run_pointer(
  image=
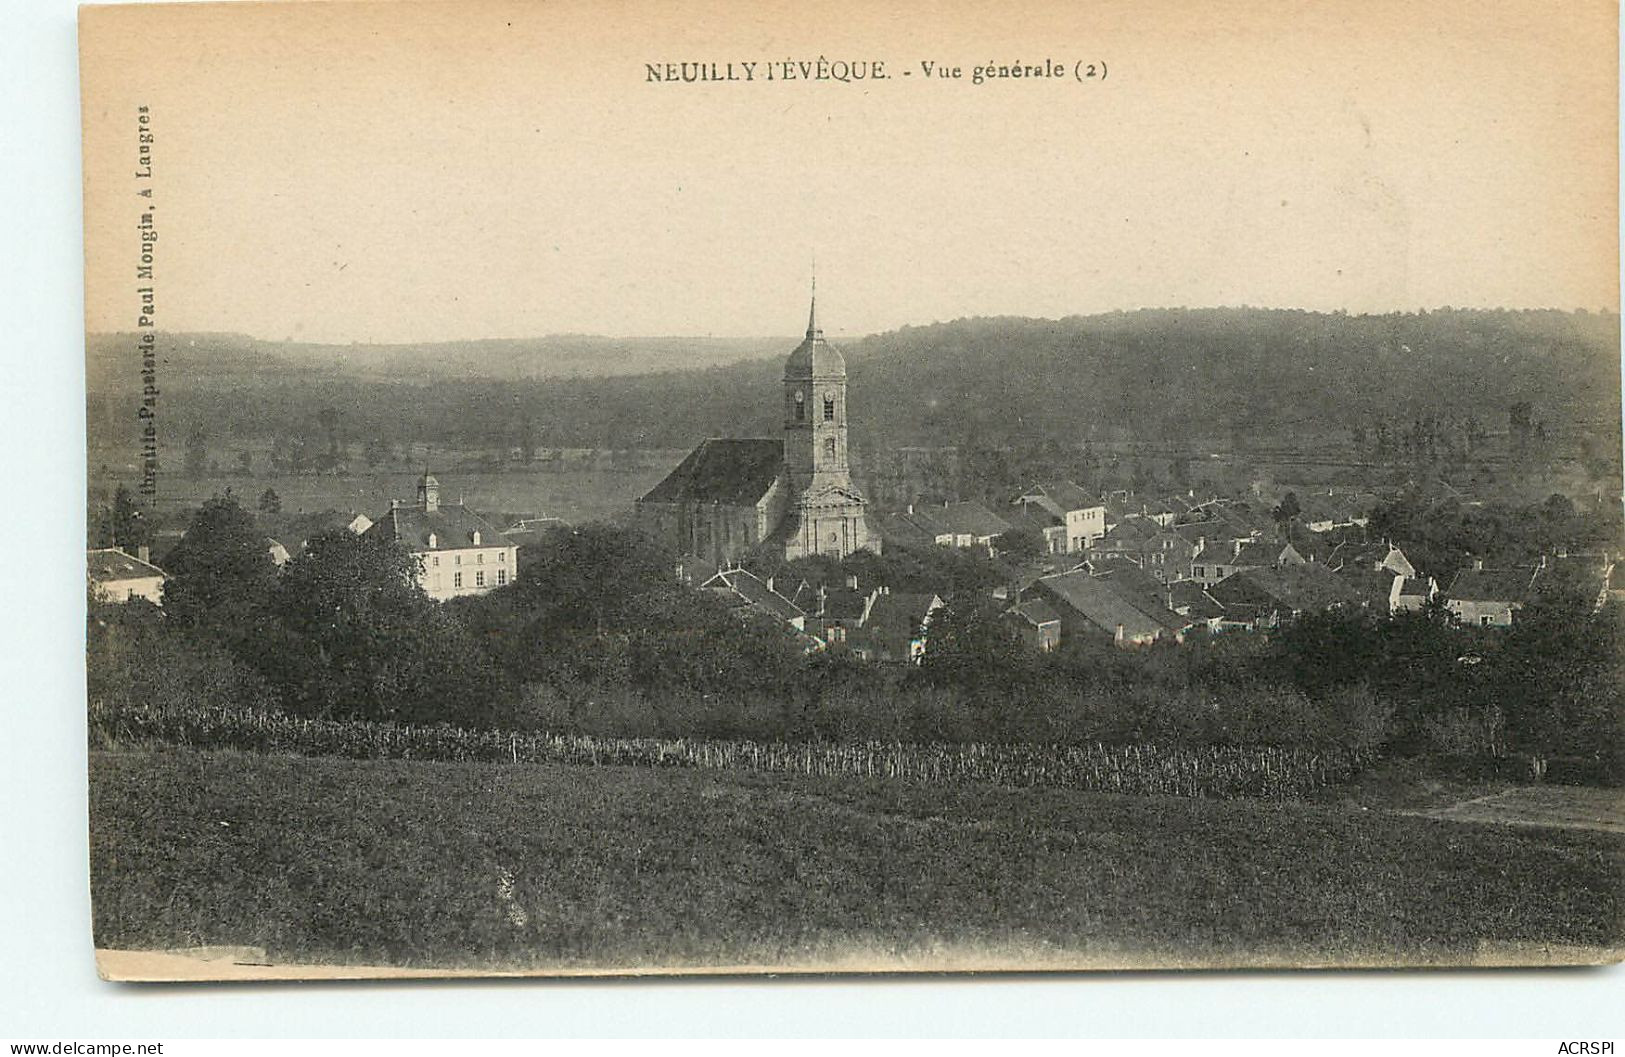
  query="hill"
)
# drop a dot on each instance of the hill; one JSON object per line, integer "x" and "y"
{"x": 1157, "y": 374}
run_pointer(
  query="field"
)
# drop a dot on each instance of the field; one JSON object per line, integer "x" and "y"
{"x": 580, "y": 492}
{"x": 417, "y": 864}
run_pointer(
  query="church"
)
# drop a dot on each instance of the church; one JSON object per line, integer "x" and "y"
{"x": 730, "y": 496}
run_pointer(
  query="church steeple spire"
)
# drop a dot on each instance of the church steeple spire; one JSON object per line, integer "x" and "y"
{"x": 813, "y": 330}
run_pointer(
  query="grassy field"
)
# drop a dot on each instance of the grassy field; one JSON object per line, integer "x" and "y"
{"x": 415, "y": 864}
{"x": 577, "y": 493}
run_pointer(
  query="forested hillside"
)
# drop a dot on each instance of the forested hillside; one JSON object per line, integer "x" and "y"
{"x": 1156, "y": 375}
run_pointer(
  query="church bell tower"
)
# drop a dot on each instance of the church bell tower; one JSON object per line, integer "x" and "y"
{"x": 827, "y": 509}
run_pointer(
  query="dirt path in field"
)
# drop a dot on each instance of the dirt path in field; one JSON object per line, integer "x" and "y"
{"x": 1562, "y": 807}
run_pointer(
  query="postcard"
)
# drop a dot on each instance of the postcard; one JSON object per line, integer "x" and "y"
{"x": 716, "y": 487}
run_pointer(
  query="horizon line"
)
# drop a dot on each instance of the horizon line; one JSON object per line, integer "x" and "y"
{"x": 859, "y": 336}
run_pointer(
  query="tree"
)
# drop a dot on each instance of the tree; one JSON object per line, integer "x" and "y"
{"x": 970, "y": 644}
{"x": 129, "y": 529}
{"x": 527, "y": 439}
{"x": 357, "y": 637}
{"x": 1287, "y": 509}
{"x": 197, "y": 453}
{"x": 1019, "y": 545}
{"x": 270, "y": 502}
{"x": 220, "y": 572}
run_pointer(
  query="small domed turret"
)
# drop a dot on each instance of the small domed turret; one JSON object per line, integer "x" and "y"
{"x": 815, "y": 357}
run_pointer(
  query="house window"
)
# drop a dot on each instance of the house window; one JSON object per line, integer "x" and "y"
{"x": 1200, "y": 571}
{"x": 479, "y": 578}
{"x": 502, "y": 556}
{"x": 457, "y": 560}
{"x": 436, "y": 559}
{"x": 801, "y": 406}
{"x": 829, "y": 447}
{"x": 502, "y": 577}
{"x": 479, "y": 559}
{"x": 1484, "y": 621}
{"x": 829, "y": 409}
{"x": 456, "y": 579}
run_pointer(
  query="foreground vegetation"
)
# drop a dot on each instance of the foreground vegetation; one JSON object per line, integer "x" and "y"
{"x": 1211, "y": 771}
{"x": 414, "y": 863}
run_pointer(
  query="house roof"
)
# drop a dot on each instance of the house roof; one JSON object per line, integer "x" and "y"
{"x": 1262, "y": 553}
{"x": 1415, "y": 588}
{"x": 452, "y": 524}
{"x": 1192, "y": 598}
{"x": 1580, "y": 575}
{"x": 1132, "y": 579}
{"x": 1066, "y": 495}
{"x": 1299, "y": 588}
{"x": 1033, "y": 518}
{"x": 958, "y": 519}
{"x": 1097, "y": 602}
{"x": 901, "y": 529}
{"x": 1242, "y": 518}
{"x": 755, "y": 591}
{"x": 1490, "y": 585}
{"x": 901, "y": 612}
{"x": 1375, "y": 585}
{"x": 723, "y": 470}
{"x": 843, "y": 603}
{"x": 110, "y": 563}
{"x": 1035, "y": 611}
{"x": 1133, "y": 529}
{"x": 1212, "y": 531}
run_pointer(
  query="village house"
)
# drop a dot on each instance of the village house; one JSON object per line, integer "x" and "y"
{"x": 1379, "y": 589}
{"x": 748, "y": 592}
{"x": 897, "y": 627}
{"x": 1088, "y": 605}
{"x": 1037, "y": 623}
{"x": 118, "y": 577}
{"x": 1415, "y": 593}
{"x": 965, "y": 524}
{"x": 1216, "y": 565}
{"x": 1582, "y": 577}
{"x": 1081, "y": 515}
{"x": 532, "y": 532}
{"x": 1268, "y": 596}
{"x": 1488, "y": 598}
{"x": 1123, "y": 541}
{"x": 458, "y": 552}
{"x": 1049, "y": 529}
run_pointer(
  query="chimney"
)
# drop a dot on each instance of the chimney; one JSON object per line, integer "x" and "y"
{"x": 144, "y": 553}
{"x": 911, "y": 508}
{"x": 770, "y": 583}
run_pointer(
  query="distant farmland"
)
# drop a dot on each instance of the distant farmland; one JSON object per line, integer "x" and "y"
{"x": 576, "y": 493}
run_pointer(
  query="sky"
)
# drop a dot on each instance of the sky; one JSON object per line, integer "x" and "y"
{"x": 407, "y": 172}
